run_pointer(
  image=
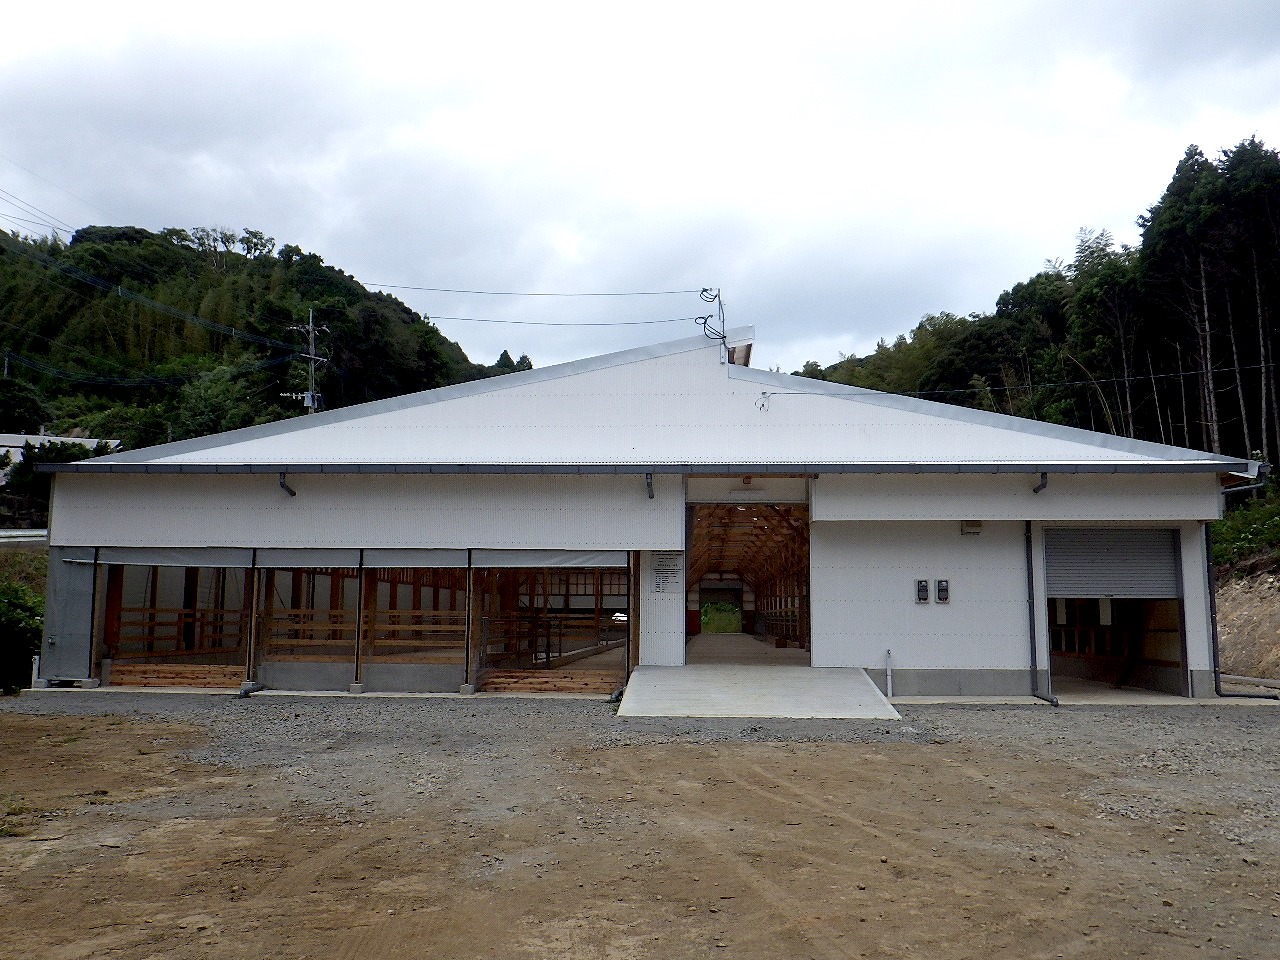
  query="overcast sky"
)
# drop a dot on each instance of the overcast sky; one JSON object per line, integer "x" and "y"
{"x": 837, "y": 170}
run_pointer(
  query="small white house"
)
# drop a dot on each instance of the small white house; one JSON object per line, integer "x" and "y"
{"x": 566, "y": 524}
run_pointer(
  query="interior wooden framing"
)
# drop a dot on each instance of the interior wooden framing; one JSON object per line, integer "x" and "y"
{"x": 208, "y": 622}
{"x": 1139, "y": 631}
{"x": 552, "y": 619}
{"x": 765, "y": 545}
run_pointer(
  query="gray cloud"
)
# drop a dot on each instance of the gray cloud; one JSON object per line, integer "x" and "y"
{"x": 839, "y": 177}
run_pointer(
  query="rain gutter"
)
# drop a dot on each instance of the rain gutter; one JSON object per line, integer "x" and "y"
{"x": 711, "y": 469}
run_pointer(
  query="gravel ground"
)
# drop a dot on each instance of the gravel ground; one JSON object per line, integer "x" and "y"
{"x": 218, "y": 827}
{"x": 354, "y": 753}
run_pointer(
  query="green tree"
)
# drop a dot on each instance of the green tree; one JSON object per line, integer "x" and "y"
{"x": 21, "y": 625}
{"x": 22, "y": 407}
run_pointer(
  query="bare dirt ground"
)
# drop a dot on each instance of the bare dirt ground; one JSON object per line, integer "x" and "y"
{"x": 145, "y": 825}
{"x": 1249, "y": 621}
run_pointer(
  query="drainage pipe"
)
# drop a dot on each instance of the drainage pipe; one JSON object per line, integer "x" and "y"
{"x": 1047, "y": 697}
{"x": 1212, "y": 580}
{"x": 888, "y": 674}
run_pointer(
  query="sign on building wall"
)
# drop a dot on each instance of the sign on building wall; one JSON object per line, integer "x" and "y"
{"x": 666, "y": 567}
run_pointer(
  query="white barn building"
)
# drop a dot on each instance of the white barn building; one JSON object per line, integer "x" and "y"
{"x": 562, "y": 526}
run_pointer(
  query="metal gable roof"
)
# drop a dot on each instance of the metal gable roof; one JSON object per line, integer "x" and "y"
{"x": 673, "y": 407}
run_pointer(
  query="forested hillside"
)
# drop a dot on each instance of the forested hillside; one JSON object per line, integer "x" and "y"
{"x": 145, "y": 337}
{"x": 1171, "y": 341}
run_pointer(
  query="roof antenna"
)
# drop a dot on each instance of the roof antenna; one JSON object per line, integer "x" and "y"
{"x": 713, "y": 325}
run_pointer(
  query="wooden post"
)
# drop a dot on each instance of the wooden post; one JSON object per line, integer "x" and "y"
{"x": 252, "y": 579}
{"x": 475, "y": 612}
{"x": 366, "y": 639}
{"x": 114, "y": 601}
{"x": 337, "y": 601}
{"x": 267, "y": 617}
{"x": 190, "y": 601}
{"x": 633, "y": 611}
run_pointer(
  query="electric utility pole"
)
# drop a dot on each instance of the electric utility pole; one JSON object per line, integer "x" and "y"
{"x": 311, "y": 400}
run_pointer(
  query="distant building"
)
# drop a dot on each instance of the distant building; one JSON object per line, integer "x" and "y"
{"x": 12, "y": 443}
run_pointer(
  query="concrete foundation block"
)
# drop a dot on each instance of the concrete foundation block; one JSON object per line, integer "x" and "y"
{"x": 356, "y": 688}
{"x": 467, "y": 689}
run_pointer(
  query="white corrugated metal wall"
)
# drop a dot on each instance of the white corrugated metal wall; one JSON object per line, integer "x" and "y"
{"x": 1084, "y": 496}
{"x": 863, "y": 583}
{"x": 568, "y": 512}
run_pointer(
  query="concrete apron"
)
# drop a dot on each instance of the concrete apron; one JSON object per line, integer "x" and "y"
{"x": 754, "y": 690}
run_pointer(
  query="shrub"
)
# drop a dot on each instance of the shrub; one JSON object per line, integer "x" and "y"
{"x": 1247, "y": 531}
{"x": 21, "y": 624}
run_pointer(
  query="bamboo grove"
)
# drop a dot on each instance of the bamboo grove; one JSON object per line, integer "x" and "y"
{"x": 144, "y": 337}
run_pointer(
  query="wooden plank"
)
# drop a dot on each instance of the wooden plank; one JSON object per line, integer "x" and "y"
{"x": 552, "y": 681}
{"x": 175, "y": 675}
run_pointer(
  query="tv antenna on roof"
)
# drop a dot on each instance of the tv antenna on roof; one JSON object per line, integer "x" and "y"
{"x": 713, "y": 325}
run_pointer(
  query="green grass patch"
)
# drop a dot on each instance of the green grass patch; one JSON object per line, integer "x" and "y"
{"x": 721, "y": 617}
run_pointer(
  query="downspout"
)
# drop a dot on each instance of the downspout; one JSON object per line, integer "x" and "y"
{"x": 357, "y": 684}
{"x": 249, "y": 685}
{"x": 1212, "y": 579}
{"x": 1031, "y": 623}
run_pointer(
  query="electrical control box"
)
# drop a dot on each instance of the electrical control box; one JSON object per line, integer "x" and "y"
{"x": 922, "y": 591}
{"x": 943, "y": 591}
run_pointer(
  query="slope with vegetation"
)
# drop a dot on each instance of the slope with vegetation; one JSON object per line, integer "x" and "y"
{"x": 1170, "y": 341}
{"x": 146, "y": 337}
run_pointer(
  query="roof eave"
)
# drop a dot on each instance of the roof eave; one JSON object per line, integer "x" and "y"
{"x": 1221, "y": 467}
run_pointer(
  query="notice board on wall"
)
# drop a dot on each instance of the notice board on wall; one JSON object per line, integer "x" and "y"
{"x": 665, "y": 566}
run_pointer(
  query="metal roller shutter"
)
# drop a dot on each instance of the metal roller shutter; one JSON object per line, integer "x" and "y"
{"x": 548, "y": 558}
{"x": 1141, "y": 564}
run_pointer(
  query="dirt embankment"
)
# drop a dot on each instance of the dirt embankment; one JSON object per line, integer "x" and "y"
{"x": 1249, "y": 623}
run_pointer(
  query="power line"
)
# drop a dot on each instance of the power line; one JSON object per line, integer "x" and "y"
{"x": 49, "y": 369}
{"x": 33, "y": 223}
{"x": 18, "y": 202}
{"x": 550, "y": 323}
{"x": 60, "y": 344}
{"x": 515, "y": 293}
{"x": 108, "y": 287}
{"x": 54, "y": 185}
{"x": 1084, "y": 383}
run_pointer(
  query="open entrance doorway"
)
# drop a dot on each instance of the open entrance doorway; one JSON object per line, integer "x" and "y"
{"x": 748, "y": 583}
{"x": 1115, "y": 609}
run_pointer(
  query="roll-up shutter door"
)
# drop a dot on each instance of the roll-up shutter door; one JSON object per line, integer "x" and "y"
{"x": 548, "y": 558}
{"x": 1140, "y": 564}
{"x": 177, "y": 556}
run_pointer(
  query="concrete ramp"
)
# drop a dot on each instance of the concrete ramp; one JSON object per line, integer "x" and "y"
{"x": 747, "y": 690}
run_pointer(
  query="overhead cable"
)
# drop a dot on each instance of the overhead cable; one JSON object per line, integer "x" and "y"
{"x": 17, "y": 201}
{"x": 516, "y": 293}
{"x": 49, "y": 369}
{"x": 553, "y": 323}
{"x": 127, "y": 294}
{"x": 54, "y": 185}
{"x": 1146, "y": 377}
